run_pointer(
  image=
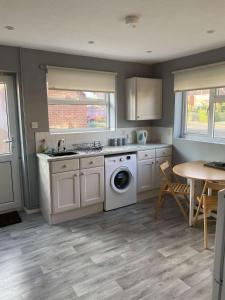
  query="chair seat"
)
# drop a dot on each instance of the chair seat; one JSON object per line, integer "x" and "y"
{"x": 177, "y": 188}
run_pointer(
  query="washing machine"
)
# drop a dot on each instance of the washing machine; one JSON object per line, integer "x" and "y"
{"x": 120, "y": 181}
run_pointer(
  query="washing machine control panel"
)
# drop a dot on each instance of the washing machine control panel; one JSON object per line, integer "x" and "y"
{"x": 125, "y": 158}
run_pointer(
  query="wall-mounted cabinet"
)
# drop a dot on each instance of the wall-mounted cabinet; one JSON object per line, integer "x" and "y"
{"x": 143, "y": 98}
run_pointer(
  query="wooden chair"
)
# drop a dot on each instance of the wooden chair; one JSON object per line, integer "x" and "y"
{"x": 207, "y": 203}
{"x": 175, "y": 189}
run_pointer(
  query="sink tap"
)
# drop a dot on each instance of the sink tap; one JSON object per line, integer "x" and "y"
{"x": 59, "y": 144}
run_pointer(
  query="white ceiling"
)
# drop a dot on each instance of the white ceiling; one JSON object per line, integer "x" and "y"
{"x": 170, "y": 28}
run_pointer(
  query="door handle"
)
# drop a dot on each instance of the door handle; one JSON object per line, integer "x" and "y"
{"x": 8, "y": 141}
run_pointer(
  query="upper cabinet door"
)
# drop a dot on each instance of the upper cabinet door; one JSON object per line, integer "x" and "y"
{"x": 144, "y": 98}
{"x": 65, "y": 191}
{"x": 92, "y": 186}
{"x": 149, "y": 99}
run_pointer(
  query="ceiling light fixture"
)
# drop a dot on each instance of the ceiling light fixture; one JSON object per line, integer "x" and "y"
{"x": 8, "y": 27}
{"x": 91, "y": 42}
{"x": 210, "y": 31}
{"x": 132, "y": 20}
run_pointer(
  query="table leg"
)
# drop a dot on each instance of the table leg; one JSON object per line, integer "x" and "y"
{"x": 191, "y": 201}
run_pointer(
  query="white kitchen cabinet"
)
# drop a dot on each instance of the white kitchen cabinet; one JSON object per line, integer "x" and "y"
{"x": 144, "y": 98}
{"x": 92, "y": 186}
{"x": 65, "y": 191}
{"x": 158, "y": 173}
{"x": 145, "y": 173}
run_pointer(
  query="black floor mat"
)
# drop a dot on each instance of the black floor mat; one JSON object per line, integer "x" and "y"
{"x": 9, "y": 218}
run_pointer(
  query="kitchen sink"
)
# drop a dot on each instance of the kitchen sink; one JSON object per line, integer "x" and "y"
{"x": 66, "y": 153}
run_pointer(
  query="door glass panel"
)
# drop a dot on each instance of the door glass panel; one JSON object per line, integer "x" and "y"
{"x": 121, "y": 180}
{"x": 4, "y": 128}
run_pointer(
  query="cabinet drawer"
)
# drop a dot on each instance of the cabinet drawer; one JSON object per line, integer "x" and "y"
{"x": 167, "y": 151}
{"x": 64, "y": 165}
{"x": 91, "y": 162}
{"x": 146, "y": 154}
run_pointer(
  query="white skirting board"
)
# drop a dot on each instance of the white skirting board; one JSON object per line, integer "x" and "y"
{"x": 31, "y": 211}
{"x": 74, "y": 214}
{"x": 147, "y": 195}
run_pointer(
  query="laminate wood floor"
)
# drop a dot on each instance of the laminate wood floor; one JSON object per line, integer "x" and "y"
{"x": 123, "y": 254}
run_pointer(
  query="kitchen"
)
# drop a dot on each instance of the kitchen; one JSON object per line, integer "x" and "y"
{"x": 26, "y": 69}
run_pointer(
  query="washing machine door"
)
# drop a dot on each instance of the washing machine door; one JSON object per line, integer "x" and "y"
{"x": 121, "y": 180}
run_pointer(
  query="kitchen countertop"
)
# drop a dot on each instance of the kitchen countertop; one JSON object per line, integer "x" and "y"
{"x": 107, "y": 150}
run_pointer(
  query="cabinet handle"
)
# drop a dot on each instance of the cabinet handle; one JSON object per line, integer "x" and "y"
{"x": 138, "y": 117}
{"x": 75, "y": 175}
{"x": 82, "y": 173}
{"x": 146, "y": 155}
{"x": 91, "y": 162}
{"x": 64, "y": 166}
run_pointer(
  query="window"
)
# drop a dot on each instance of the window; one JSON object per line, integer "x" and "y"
{"x": 79, "y": 110}
{"x": 80, "y": 100}
{"x": 204, "y": 114}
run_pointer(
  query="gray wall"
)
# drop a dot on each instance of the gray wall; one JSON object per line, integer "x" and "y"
{"x": 186, "y": 150}
{"x": 33, "y": 81}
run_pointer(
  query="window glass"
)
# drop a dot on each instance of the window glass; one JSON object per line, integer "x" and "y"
{"x": 219, "y": 120}
{"x": 197, "y": 111}
{"x": 75, "y": 95}
{"x": 80, "y": 110}
{"x": 220, "y": 91}
{"x": 77, "y": 116}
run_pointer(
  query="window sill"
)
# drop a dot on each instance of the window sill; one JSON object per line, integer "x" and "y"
{"x": 81, "y": 131}
{"x": 201, "y": 140}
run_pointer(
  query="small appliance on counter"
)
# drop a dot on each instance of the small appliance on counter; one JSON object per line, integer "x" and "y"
{"x": 142, "y": 136}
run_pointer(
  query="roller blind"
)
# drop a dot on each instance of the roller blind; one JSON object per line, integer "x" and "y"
{"x": 79, "y": 79}
{"x": 208, "y": 76}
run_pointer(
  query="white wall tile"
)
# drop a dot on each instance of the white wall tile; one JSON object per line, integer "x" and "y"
{"x": 155, "y": 134}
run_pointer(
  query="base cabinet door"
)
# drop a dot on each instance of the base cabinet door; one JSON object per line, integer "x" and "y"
{"x": 158, "y": 173}
{"x": 92, "y": 186}
{"x": 65, "y": 191}
{"x": 146, "y": 171}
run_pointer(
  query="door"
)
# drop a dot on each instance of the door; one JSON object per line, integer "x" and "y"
{"x": 65, "y": 191}
{"x": 122, "y": 180}
{"x": 10, "y": 185}
{"x": 158, "y": 173}
{"x": 92, "y": 186}
{"x": 149, "y": 98}
{"x": 146, "y": 172}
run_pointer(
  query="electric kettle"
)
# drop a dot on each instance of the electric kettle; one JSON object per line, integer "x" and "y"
{"x": 142, "y": 136}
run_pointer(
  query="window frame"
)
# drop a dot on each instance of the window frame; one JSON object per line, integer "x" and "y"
{"x": 110, "y": 112}
{"x": 210, "y": 136}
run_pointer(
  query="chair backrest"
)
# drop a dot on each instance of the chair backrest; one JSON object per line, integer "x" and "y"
{"x": 166, "y": 171}
{"x": 213, "y": 185}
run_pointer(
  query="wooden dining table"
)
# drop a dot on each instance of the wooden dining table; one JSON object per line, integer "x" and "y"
{"x": 193, "y": 171}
